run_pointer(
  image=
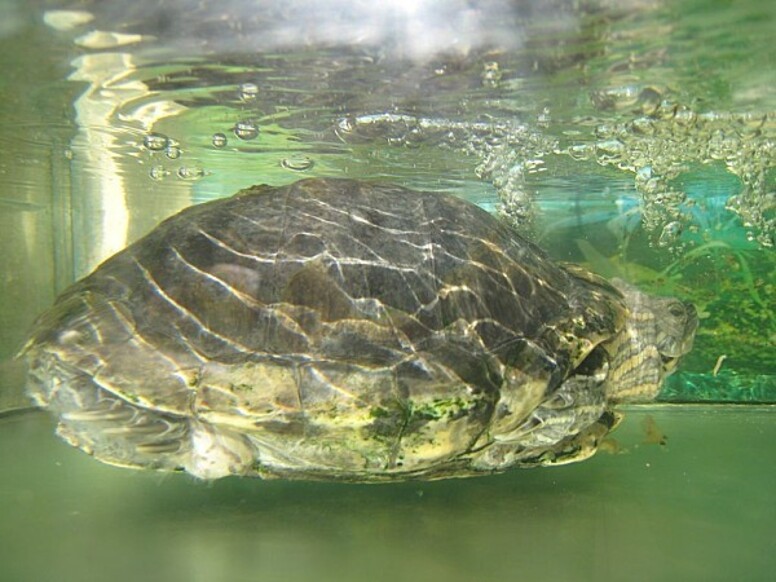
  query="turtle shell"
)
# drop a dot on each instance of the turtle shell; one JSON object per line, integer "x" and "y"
{"x": 329, "y": 328}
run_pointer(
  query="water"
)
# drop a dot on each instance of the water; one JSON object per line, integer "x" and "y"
{"x": 637, "y": 139}
{"x": 699, "y": 508}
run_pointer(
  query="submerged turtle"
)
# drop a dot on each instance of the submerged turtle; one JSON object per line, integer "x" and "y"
{"x": 336, "y": 329}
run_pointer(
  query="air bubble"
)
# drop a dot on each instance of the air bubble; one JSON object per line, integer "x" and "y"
{"x": 670, "y": 234}
{"x": 158, "y": 173}
{"x": 605, "y": 131}
{"x": 666, "y": 110}
{"x": 752, "y": 125}
{"x": 219, "y": 140}
{"x": 190, "y": 173}
{"x": 246, "y": 130}
{"x": 652, "y": 186}
{"x": 643, "y": 126}
{"x": 644, "y": 173}
{"x": 649, "y": 100}
{"x": 249, "y": 91}
{"x": 685, "y": 118}
{"x": 544, "y": 118}
{"x": 172, "y": 151}
{"x": 156, "y": 142}
{"x": 297, "y": 163}
{"x": 345, "y": 125}
{"x": 611, "y": 148}
{"x": 580, "y": 152}
{"x": 534, "y": 166}
{"x": 491, "y": 75}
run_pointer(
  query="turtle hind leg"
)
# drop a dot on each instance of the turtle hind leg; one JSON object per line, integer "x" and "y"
{"x": 124, "y": 435}
{"x": 104, "y": 425}
{"x": 119, "y": 433}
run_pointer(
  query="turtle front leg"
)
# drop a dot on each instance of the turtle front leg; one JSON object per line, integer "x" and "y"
{"x": 573, "y": 449}
{"x": 564, "y": 428}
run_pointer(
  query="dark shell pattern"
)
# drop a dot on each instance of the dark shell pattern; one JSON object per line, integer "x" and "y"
{"x": 329, "y": 329}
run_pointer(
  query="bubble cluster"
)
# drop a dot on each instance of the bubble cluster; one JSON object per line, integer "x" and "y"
{"x": 162, "y": 167}
{"x": 506, "y": 162}
{"x": 508, "y": 150}
{"x": 659, "y": 147}
{"x": 657, "y": 144}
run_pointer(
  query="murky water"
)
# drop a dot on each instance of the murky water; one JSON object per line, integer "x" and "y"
{"x": 636, "y": 138}
{"x": 699, "y": 507}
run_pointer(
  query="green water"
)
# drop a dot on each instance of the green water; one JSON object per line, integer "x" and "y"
{"x": 697, "y": 508}
{"x": 635, "y": 139}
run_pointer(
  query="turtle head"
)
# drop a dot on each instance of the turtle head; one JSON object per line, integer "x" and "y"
{"x": 658, "y": 332}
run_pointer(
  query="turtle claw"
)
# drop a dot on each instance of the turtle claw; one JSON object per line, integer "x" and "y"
{"x": 119, "y": 433}
{"x": 147, "y": 433}
{"x": 159, "y": 448}
{"x": 113, "y": 414}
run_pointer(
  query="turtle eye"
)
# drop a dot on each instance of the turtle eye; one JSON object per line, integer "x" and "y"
{"x": 677, "y": 309}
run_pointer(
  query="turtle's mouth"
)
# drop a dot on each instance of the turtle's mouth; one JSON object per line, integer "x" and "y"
{"x": 669, "y": 363}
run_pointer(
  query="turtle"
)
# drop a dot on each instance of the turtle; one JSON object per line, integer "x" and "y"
{"x": 337, "y": 329}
